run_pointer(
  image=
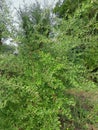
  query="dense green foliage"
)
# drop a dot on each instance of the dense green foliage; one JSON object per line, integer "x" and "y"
{"x": 51, "y": 84}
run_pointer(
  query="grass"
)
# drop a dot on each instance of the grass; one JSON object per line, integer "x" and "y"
{"x": 85, "y": 113}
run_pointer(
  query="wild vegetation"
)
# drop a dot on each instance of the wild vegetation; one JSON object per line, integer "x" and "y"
{"x": 52, "y": 84}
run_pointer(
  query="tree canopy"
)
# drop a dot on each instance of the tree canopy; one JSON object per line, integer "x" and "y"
{"x": 4, "y": 19}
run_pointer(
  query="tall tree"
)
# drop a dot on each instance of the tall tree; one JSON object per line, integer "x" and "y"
{"x": 68, "y": 7}
{"x": 34, "y": 18}
{"x": 4, "y": 19}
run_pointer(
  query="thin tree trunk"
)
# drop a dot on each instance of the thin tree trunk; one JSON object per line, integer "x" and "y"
{"x": 0, "y": 42}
